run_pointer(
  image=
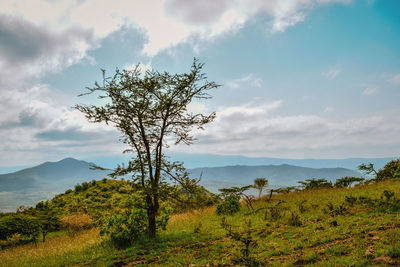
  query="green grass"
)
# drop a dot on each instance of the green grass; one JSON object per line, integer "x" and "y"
{"x": 324, "y": 238}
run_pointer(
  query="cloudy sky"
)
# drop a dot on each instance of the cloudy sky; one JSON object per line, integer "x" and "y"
{"x": 301, "y": 78}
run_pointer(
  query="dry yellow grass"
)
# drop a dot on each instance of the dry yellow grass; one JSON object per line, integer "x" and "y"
{"x": 46, "y": 254}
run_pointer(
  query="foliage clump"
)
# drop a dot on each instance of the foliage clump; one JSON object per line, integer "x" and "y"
{"x": 315, "y": 184}
{"x": 347, "y": 181}
{"x": 130, "y": 223}
{"x": 260, "y": 184}
{"x": 12, "y": 227}
{"x": 389, "y": 171}
{"x": 229, "y": 205}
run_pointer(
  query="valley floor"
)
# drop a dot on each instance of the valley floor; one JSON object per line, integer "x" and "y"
{"x": 358, "y": 226}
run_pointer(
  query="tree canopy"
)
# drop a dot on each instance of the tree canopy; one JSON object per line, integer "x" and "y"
{"x": 147, "y": 108}
{"x": 260, "y": 184}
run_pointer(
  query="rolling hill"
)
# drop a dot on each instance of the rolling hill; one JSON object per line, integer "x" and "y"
{"x": 28, "y": 186}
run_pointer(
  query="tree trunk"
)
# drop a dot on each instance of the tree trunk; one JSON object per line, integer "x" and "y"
{"x": 152, "y": 209}
{"x": 44, "y": 236}
{"x": 152, "y": 223}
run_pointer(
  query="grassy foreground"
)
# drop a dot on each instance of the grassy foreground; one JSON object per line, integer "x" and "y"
{"x": 314, "y": 227}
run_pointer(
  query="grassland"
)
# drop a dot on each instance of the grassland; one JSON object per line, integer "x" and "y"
{"x": 313, "y": 227}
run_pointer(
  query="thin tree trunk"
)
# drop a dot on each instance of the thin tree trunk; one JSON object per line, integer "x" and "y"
{"x": 151, "y": 217}
{"x": 152, "y": 223}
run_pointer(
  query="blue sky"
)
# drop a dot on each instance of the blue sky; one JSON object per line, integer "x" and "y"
{"x": 301, "y": 78}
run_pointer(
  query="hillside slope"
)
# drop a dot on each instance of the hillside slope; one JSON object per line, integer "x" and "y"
{"x": 28, "y": 186}
{"x": 357, "y": 226}
{"x": 58, "y": 175}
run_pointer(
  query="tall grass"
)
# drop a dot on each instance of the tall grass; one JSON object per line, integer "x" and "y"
{"x": 52, "y": 252}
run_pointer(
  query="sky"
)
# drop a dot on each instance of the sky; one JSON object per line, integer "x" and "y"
{"x": 300, "y": 78}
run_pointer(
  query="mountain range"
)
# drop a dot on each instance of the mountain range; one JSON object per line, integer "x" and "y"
{"x": 278, "y": 175}
{"x": 28, "y": 186}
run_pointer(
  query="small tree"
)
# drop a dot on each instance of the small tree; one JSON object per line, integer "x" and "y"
{"x": 368, "y": 169}
{"x": 47, "y": 218}
{"x": 27, "y": 226}
{"x": 237, "y": 193}
{"x": 347, "y": 181}
{"x": 147, "y": 108}
{"x": 315, "y": 183}
{"x": 260, "y": 184}
{"x": 387, "y": 172}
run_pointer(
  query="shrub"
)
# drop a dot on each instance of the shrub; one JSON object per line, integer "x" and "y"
{"x": 124, "y": 229}
{"x": 68, "y": 191}
{"x": 389, "y": 171}
{"x": 130, "y": 225}
{"x": 76, "y": 222}
{"x": 19, "y": 224}
{"x": 85, "y": 186}
{"x": 229, "y": 206}
{"x": 347, "y": 181}
{"x": 78, "y": 188}
{"x": 11, "y": 241}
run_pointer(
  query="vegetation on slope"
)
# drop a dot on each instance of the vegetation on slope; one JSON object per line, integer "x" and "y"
{"x": 321, "y": 226}
{"x": 330, "y": 229}
{"x": 89, "y": 204}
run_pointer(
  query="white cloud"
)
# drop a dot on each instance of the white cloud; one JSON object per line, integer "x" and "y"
{"x": 167, "y": 23}
{"x": 36, "y": 123}
{"x": 332, "y": 73}
{"x": 251, "y": 80}
{"x": 28, "y": 50}
{"x": 253, "y": 130}
{"x": 370, "y": 91}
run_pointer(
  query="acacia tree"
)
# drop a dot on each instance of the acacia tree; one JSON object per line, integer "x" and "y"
{"x": 149, "y": 108}
{"x": 368, "y": 168}
{"x": 259, "y": 184}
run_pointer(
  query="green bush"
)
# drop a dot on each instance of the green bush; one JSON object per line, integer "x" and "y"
{"x": 229, "y": 206}
{"x": 85, "y": 186}
{"x": 347, "y": 181}
{"x": 389, "y": 171}
{"x": 124, "y": 229}
{"x": 78, "y": 188}
{"x": 130, "y": 225}
{"x": 19, "y": 224}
